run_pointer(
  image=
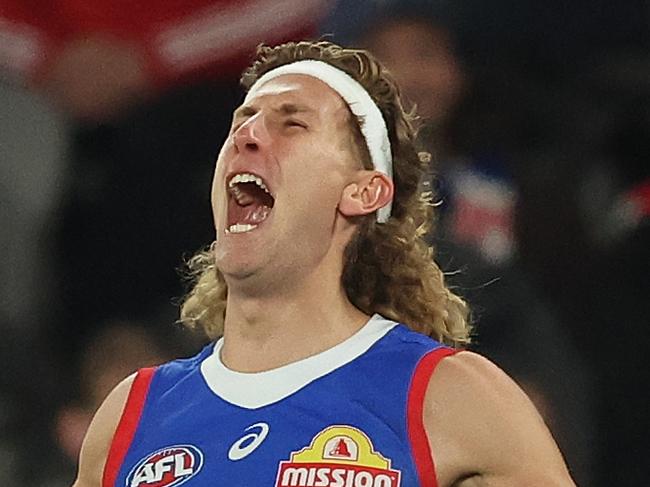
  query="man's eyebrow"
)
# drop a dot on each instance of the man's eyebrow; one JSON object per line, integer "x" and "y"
{"x": 293, "y": 108}
{"x": 244, "y": 111}
{"x": 284, "y": 109}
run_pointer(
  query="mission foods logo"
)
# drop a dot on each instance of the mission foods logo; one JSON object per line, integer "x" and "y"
{"x": 339, "y": 456}
{"x": 167, "y": 467}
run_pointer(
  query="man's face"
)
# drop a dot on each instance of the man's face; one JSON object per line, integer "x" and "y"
{"x": 279, "y": 178}
{"x": 427, "y": 70}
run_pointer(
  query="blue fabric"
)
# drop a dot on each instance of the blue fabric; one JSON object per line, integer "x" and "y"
{"x": 368, "y": 394}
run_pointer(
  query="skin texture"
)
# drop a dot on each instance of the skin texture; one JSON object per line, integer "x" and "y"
{"x": 483, "y": 429}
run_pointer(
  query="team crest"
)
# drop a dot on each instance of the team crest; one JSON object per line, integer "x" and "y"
{"x": 338, "y": 456}
{"x": 167, "y": 467}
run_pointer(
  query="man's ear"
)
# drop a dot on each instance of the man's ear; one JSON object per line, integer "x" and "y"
{"x": 371, "y": 190}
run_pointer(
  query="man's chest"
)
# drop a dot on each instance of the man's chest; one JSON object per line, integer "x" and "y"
{"x": 271, "y": 453}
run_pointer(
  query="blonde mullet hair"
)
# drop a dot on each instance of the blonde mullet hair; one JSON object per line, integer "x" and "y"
{"x": 389, "y": 268}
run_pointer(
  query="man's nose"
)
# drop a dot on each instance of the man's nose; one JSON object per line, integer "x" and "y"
{"x": 252, "y": 135}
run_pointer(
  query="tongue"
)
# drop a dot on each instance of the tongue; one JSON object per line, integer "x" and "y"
{"x": 257, "y": 214}
{"x": 252, "y": 214}
{"x": 248, "y": 204}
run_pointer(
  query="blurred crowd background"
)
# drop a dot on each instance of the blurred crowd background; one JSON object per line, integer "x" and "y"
{"x": 538, "y": 118}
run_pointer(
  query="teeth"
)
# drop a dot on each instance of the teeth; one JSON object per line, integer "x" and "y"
{"x": 248, "y": 178}
{"x": 240, "y": 228}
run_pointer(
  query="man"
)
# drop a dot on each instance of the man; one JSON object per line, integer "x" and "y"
{"x": 319, "y": 216}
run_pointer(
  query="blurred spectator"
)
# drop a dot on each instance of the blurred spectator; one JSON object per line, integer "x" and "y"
{"x": 32, "y": 151}
{"x": 114, "y": 352}
{"x": 476, "y": 239}
{"x": 32, "y": 156}
{"x": 597, "y": 274}
{"x": 475, "y": 186}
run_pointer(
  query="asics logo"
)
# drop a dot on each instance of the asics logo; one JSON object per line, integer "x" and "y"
{"x": 248, "y": 444}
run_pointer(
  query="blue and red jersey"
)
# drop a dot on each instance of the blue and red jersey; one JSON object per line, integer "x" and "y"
{"x": 348, "y": 417}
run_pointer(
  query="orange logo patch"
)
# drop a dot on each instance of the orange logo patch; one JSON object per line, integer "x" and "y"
{"x": 338, "y": 456}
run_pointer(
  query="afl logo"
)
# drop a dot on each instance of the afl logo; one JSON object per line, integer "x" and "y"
{"x": 167, "y": 467}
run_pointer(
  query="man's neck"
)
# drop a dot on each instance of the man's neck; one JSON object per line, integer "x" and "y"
{"x": 263, "y": 333}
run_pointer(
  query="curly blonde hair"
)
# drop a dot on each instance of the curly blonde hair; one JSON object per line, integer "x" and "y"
{"x": 389, "y": 268}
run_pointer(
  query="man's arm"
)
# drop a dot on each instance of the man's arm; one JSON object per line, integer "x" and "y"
{"x": 484, "y": 431}
{"x": 100, "y": 435}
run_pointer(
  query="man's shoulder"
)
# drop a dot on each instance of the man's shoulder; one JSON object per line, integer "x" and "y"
{"x": 186, "y": 364}
{"x": 100, "y": 435}
{"x": 479, "y": 421}
{"x": 410, "y": 351}
{"x": 162, "y": 378}
{"x": 102, "y": 430}
{"x": 466, "y": 375}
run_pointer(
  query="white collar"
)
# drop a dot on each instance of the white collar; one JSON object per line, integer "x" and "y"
{"x": 255, "y": 390}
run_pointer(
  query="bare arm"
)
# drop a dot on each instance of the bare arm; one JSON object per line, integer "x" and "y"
{"x": 100, "y": 435}
{"x": 484, "y": 431}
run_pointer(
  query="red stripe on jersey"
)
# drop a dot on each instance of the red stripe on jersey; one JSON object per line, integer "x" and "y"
{"x": 415, "y": 409}
{"x": 127, "y": 425}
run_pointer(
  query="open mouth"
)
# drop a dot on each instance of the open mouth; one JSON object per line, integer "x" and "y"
{"x": 249, "y": 202}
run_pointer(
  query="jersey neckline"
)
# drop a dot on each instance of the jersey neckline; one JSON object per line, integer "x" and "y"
{"x": 255, "y": 390}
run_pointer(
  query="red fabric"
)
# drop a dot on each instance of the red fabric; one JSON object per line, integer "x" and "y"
{"x": 640, "y": 195}
{"x": 30, "y": 35}
{"x": 415, "y": 410}
{"x": 127, "y": 425}
{"x": 180, "y": 38}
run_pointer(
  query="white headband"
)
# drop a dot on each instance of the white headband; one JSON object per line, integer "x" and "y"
{"x": 361, "y": 105}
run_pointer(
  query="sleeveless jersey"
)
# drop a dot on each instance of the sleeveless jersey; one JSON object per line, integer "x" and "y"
{"x": 348, "y": 417}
